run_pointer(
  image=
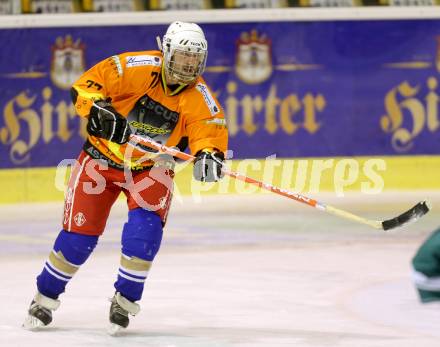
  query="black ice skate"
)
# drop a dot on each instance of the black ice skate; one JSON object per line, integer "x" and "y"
{"x": 40, "y": 312}
{"x": 119, "y": 311}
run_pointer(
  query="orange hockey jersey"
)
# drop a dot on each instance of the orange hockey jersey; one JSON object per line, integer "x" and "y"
{"x": 135, "y": 84}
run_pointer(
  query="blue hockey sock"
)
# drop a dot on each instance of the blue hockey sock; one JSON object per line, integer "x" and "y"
{"x": 141, "y": 240}
{"x": 70, "y": 251}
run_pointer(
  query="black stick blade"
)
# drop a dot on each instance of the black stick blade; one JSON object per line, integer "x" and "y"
{"x": 411, "y": 215}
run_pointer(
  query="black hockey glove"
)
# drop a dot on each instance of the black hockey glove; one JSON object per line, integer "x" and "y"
{"x": 208, "y": 166}
{"x": 108, "y": 124}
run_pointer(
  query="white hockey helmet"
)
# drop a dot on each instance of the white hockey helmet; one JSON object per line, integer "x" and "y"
{"x": 185, "y": 51}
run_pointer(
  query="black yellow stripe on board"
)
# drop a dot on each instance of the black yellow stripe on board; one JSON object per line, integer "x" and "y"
{"x": 303, "y": 175}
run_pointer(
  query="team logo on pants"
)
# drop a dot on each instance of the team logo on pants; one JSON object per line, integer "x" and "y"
{"x": 79, "y": 219}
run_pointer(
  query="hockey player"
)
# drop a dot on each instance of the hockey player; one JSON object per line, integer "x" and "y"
{"x": 155, "y": 94}
{"x": 426, "y": 268}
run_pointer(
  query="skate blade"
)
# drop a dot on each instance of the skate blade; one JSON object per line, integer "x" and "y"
{"x": 32, "y": 323}
{"x": 114, "y": 329}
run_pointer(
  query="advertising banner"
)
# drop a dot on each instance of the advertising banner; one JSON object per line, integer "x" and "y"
{"x": 294, "y": 89}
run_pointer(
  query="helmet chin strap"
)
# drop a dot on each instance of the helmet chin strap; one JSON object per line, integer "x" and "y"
{"x": 169, "y": 81}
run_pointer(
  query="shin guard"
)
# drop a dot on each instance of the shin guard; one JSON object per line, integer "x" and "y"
{"x": 70, "y": 251}
{"x": 141, "y": 240}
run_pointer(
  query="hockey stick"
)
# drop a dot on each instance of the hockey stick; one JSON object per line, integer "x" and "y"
{"x": 411, "y": 215}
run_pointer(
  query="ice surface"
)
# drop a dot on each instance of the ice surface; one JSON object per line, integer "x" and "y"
{"x": 234, "y": 271}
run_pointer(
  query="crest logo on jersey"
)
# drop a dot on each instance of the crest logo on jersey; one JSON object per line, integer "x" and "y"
{"x": 254, "y": 58}
{"x": 67, "y": 63}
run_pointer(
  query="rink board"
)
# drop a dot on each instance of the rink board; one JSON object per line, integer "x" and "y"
{"x": 309, "y": 176}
